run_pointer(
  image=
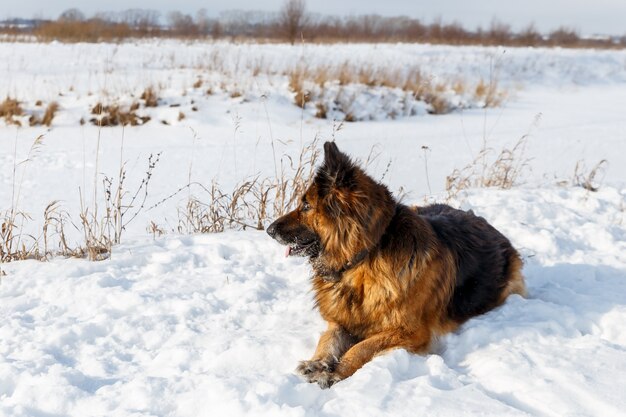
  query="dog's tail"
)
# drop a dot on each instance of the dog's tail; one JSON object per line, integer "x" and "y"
{"x": 514, "y": 279}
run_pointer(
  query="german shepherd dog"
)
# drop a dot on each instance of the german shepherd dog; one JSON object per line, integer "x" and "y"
{"x": 386, "y": 275}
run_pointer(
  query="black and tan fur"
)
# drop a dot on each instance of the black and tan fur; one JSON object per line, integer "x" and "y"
{"x": 386, "y": 275}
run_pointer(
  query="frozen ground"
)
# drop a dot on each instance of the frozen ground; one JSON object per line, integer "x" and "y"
{"x": 215, "y": 324}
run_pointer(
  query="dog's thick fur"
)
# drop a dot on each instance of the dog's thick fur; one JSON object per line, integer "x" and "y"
{"x": 386, "y": 275}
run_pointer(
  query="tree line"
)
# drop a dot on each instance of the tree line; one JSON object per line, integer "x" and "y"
{"x": 292, "y": 23}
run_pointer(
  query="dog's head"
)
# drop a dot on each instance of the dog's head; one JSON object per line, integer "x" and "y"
{"x": 342, "y": 212}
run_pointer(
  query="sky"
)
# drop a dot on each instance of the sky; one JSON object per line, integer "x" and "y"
{"x": 587, "y": 16}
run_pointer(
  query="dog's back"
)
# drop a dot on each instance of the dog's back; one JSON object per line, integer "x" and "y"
{"x": 488, "y": 267}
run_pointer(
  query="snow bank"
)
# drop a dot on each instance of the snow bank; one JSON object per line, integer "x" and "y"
{"x": 215, "y": 325}
{"x": 79, "y": 76}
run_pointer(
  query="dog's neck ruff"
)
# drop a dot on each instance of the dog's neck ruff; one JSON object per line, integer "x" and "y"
{"x": 358, "y": 258}
{"x": 335, "y": 275}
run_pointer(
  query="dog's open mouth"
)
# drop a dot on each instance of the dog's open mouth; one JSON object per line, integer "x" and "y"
{"x": 299, "y": 248}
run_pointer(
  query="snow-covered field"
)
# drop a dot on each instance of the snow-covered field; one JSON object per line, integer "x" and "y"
{"x": 215, "y": 324}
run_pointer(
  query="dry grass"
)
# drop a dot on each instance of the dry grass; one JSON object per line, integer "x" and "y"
{"x": 321, "y": 110}
{"x": 50, "y": 113}
{"x": 504, "y": 171}
{"x": 47, "y": 117}
{"x": 13, "y": 244}
{"x": 438, "y": 104}
{"x": 9, "y": 109}
{"x": 97, "y": 241}
{"x": 55, "y": 220}
{"x": 100, "y": 229}
{"x": 416, "y": 83}
{"x": 115, "y": 115}
{"x": 489, "y": 93}
{"x": 588, "y": 179}
{"x": 150, "y": 97}
{"x": 251, "y": 204}
{"x": 310, "y": 84}
{"x": 121, "y": 207}
{"x": 294, "y": 177}
{"x": 296, "y": 85}
{"x": 327, "y": 91}
{"x": 93, "y": 30}
{"x": 102, "y": 221}
{"x": 233, "y": 210}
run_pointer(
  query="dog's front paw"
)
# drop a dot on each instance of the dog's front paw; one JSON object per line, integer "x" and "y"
{"x": 321, "y": 372}
{"x": 327, "y": 379}
{"x": 313, "y": 367}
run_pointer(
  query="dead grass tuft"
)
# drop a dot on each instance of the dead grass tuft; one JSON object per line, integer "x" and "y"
{"x": 13, "y": 246}
{"x": 48, "y": 116}
{"x": 587, "y": 179}
{"x": 121, "y": 207}
{"x": 12, "y": 242}
{"x": 50, "y": 113}
{"x": 503, "y": 172}
{"x": 437, "y": 104}
{"x": 9, "y": 109}
{"x": 150, "y": 97}
{"x": 321, "y": 75}
{"x": 251, "y": 203}
{"x": 114, "y": 115}
{"x": 367, "y": 76}
{"x": 489, "y": 94}
{"x": 321, "y": 110}
{"x": 296, "y": 85}
{"x": 349, "y": 117}
{"x": 311, "y": 84}
{"x": 55, "y": 220}
{"x": 345, "y": 75}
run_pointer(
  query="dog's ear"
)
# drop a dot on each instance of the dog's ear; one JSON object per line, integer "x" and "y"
{"x": 339, "y": 170}
{"x": 335, "y": 179}
{"x": 333, "y": 157}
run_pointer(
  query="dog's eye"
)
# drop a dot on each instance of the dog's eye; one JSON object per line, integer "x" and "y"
{"x": 305, "y": 206}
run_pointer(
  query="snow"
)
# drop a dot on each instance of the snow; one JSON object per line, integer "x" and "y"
{"x": 216, "y": 324}
{"x": 201, "y": 325}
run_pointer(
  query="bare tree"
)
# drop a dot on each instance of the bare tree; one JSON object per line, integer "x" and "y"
{"x": 72, "y": 15}
{"x": 564, "y": 36}
{"x": 143, "y": 20}
{"x": 182, "y": 24}
{"x": 293, "y": 18}
{"x": 203, "y": 22}
{"x": 530, "y": 36}
{"x": 499, "y": 32}
{"x": 216, "y": 30}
